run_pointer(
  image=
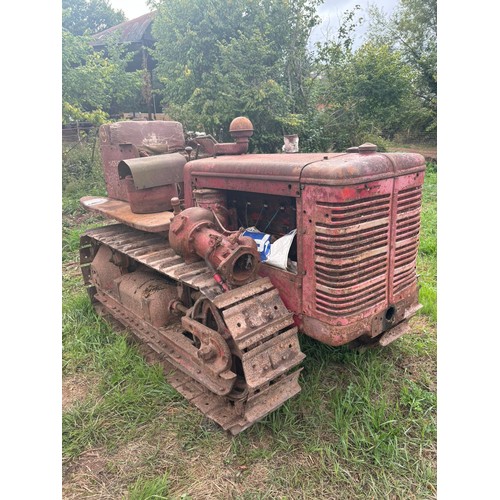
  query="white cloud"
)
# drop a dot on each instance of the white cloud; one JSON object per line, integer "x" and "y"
{"x": 331, "y": 12}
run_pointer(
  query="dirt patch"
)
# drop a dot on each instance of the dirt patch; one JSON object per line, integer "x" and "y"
{"x": 200, "y": 472}
{"x": 82, "y": 474}
{"x": 414, "y": 364}
{"x": 103, "y": 474}
{"x": 216, "y": 473}
{"x": 79, "y": 219}
{"x": 71, "y": 269}
{"x": 75, "y": 389}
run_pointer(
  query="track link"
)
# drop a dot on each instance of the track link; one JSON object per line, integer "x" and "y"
{"x": 257, "y": 327}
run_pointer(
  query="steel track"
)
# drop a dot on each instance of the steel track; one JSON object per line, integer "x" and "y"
{"x": 259, "y": 330}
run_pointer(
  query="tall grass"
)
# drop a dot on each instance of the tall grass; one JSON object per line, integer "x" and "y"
{"x": 427, "y": 255}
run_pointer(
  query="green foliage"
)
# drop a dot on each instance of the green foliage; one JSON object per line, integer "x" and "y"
{"x": 412, "y": 31}
{"x": 146, "y": 489}
{"x": 94, "y": 83}
{"x": 365, "y": 93}
{"x": 377, "y": 84}
{"x": 81, "y": 169}
{"x": 416, "y": 398}
{"x": 218, "y": 61}
{"x": 81, "y": 17}
{"x": 221, "y": 59}
{"x": 248, "y": 84}
{"x": 427, "y": 254}
{"x": 135, "y": 394}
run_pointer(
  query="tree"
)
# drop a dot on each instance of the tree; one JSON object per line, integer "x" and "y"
{"x": 366, "y": 95}
{"x": 217, "y": 60}
{"x": 412, "y": 31}
{"x": 89, "y": 16}
{"x": 93, "y": 84}
{"x": 248, "y": 86}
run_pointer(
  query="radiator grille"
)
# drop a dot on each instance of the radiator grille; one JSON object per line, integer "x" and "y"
{"x": 407, "y": 238}
{"x": 351, "y": 248}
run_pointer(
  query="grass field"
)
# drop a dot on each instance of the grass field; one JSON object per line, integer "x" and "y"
{"x": 364, "y": 425}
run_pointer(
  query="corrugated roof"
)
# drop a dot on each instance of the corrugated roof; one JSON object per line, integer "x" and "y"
{"x": 136, "y": 30}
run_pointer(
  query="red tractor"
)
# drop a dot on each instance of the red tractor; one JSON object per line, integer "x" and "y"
{"x": 217, "y": 258}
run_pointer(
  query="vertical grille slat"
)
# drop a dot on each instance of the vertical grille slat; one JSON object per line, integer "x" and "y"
{"x": 351, "y": 248}
{"x": 407, "y": 234}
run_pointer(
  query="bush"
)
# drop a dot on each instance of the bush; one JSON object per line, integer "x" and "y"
{"x": 383, "y": 144}
{"x": 81, "y": 174}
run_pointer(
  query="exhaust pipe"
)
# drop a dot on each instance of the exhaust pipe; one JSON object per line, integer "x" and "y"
{"x": 241, "y": 129}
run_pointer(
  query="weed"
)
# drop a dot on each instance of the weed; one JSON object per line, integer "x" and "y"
{"x": 148, "y": 489}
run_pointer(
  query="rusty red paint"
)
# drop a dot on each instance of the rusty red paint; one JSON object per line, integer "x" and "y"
{"x": 150, "y": 200}
{"x": 241, "y": 129}
{"x": 125, "y": 140}
{"x": 194, "y": 235}
{"x": 353, "y": 208}
{"x": 121, "y": 211}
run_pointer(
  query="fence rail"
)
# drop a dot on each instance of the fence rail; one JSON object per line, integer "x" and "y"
{"x": 77, "y": 132}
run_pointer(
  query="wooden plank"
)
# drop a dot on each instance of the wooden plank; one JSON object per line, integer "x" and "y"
{"x": 120, "y": 211}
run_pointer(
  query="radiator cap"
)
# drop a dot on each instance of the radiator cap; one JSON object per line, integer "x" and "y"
{"x": 367, "y": 147}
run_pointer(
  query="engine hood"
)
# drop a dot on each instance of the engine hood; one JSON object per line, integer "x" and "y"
{"x": 308, "y": 168}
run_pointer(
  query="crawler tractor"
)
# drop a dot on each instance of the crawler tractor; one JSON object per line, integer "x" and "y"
{"x": 215, "y": 259}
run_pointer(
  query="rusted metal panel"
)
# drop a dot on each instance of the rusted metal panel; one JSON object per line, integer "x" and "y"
{"x": 255, "y": 173}
{"x": 355, "y": 168}
{"x": 272, "y": 359}
{"x": 151, "y": 200}
{"x": 152, "y": 181}
{"x": 133, "y": 31}
{"x": 289, "y": 283}
{"x": 125, "y": 140}
{"x": 146, "y": 295}
{"x": 406, "y": 233}
{"x": 242, "y": 293}
{"x": 346, "y": 250}
{"x": 111, "y": 155}
{"x": 144, "y": 133}
{"x": 153, "y": 171}
{"x": 282, "y": 174}
{"x": 120, "y": 211}
{"x": 359, "y": 253}
{"x": 370, "y": 327}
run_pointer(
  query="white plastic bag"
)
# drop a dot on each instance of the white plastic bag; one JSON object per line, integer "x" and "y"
{"x": 280, "y": 249}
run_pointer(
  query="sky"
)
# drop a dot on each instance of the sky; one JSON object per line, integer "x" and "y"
{"x": 329, "y": 11}
{"x": 131, "y": 8}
